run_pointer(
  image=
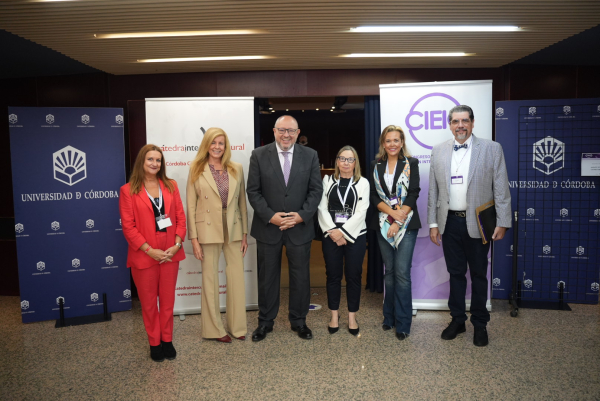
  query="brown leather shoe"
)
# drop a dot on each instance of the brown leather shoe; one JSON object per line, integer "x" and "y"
{"x": 241, "y": 338}
{"x": 224, "y": 339}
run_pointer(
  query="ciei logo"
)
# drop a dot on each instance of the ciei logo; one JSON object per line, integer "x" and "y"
{"x": 431, "y": 120}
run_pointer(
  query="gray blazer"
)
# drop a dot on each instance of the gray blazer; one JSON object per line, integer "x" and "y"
{"x": 268, "y": 193}
{"x": 487, "y": 180}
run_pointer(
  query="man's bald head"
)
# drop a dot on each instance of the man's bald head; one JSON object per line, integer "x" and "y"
{"x": 286, "y": 132}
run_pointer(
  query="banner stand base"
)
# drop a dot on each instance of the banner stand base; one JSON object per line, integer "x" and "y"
{"x": 543, "y": 305}
{"x": 79, "y": 320}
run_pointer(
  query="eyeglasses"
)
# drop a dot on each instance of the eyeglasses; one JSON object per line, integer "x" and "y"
{"x": 291, "y": 131}
{"x": 465, "y": 121}
{"x": 350, "y": 160}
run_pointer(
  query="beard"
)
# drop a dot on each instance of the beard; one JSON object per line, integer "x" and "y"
{"x": 460, "y": 135}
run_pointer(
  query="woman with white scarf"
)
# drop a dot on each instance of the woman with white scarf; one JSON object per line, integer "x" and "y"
{"x": 394, "y": 182}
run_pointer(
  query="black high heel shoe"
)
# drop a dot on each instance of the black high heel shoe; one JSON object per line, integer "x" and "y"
{"x": 334, "y": 329}
{"x": 355, "y": 331}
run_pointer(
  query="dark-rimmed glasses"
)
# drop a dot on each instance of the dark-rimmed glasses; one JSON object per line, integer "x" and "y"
{"x": 290, "y": 131}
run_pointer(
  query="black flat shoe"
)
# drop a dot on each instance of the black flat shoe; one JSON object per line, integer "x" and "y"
{"x": 334, "y": 329}
{"x": 169, "y": 350}
{"x": 303, "y": 332}
{"x": 156, "y": 353}
{"x": 385, "y": 327}
{"x": 261, "y": 332}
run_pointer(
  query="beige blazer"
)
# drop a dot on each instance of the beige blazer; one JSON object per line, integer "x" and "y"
{"x": 204, "y": 208}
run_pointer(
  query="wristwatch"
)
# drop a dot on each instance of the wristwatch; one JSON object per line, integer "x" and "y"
{"x": 178, "y": 244}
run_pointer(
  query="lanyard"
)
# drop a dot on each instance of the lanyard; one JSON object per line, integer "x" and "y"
{"x": 160, "y": 199}
{"x": 390, "y": 181}
{"x": 458, "y": 163}
{"x": 346, "y": 194}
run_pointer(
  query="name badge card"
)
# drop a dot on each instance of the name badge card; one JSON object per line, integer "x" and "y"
{"x": 341, "y": 217}
{"x": 457, "y": 179}
{"x": 163, "y": 221}
{"x": 394, "y": 200}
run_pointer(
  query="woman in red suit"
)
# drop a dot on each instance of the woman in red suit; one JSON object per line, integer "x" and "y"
{"x": 154, "y": 226}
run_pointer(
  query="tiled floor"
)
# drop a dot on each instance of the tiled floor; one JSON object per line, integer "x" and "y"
{"x": 541, "y": 355}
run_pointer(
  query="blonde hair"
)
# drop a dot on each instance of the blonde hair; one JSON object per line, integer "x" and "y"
{"x": 199, "y": 162}
{"x": 137, "y": 173}
{"x": 357, "y": 175}
{"x": 382, "y": 155}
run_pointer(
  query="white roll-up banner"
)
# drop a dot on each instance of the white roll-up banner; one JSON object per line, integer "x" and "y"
{"x": 421, "y": 109}
{"x": 177, "y": 126}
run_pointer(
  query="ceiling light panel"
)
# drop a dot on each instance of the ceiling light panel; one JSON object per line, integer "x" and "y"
{"x": 407, "y": 55}
{"x": 436, "y": 28}
{"x": 176, "y": 33}
{"x": 182, "y": 59}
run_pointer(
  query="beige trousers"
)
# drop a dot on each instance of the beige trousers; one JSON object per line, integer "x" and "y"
{"x": 212, "y": 325}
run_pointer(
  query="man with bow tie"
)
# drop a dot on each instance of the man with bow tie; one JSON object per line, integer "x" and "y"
{"x": 466, "y": 172}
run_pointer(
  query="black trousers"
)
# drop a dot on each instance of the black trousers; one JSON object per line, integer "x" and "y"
{"x": 269, "y": 277}
{"x": 353, "y": 254}
{"x": 461, "y": 250}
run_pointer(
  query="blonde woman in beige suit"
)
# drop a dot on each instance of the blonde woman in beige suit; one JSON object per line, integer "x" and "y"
{"x": 218, "y": 222}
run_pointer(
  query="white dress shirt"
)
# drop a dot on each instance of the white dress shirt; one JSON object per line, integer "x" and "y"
{"x": 281, "y": 157}
{"x": 461, "y": 159}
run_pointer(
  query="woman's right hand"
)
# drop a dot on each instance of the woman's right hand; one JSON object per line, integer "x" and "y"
{"x": 398, "y": 214}
{"x": 198, "y": 254}
{"x": 157, "y": 254}
{"x": 341, "y": 242}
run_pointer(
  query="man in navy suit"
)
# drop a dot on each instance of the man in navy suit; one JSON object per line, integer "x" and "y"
{"x": 284, "y": 189}
{"x": 466, "y": 172}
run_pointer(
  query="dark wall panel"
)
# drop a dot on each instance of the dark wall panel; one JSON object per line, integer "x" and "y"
{"x": 348, "y": 82}
{"x": 20, "y": 92}
{"x": 87, "y": 90}
{"x": 136, "y": 132}
{"x": 588, "y": 82}
{"x": 542, "y": 82}
{"x": 262, "y": 83}
{"x": 139, "y": 87}
{"x": 9, "y": 272}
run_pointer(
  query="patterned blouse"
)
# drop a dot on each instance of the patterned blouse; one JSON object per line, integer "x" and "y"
{"x": 222, "y": 181}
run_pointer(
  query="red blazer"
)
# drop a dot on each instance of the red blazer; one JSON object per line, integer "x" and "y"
{"x": 137, "y": 219}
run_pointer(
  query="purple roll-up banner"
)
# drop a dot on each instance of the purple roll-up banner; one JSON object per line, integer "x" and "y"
{"x": 421, "y": 109}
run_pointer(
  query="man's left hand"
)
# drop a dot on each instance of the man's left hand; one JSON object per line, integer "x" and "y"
{"x": 499, "y": 233}
{"x": 290, "y": 221}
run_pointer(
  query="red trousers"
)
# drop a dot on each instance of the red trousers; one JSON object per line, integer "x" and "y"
{"x": 157, "y": 281}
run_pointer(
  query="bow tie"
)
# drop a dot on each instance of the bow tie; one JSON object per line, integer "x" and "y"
{"x": 456, "y": 147}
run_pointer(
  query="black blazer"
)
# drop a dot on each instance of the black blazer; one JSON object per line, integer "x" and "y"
{"x": 411, "y": 197}
{"x": 268, "y": 194}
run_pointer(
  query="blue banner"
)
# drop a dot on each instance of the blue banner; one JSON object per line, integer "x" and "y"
{"x": 546, "y": 143}
{"x": 68, "y": 165}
